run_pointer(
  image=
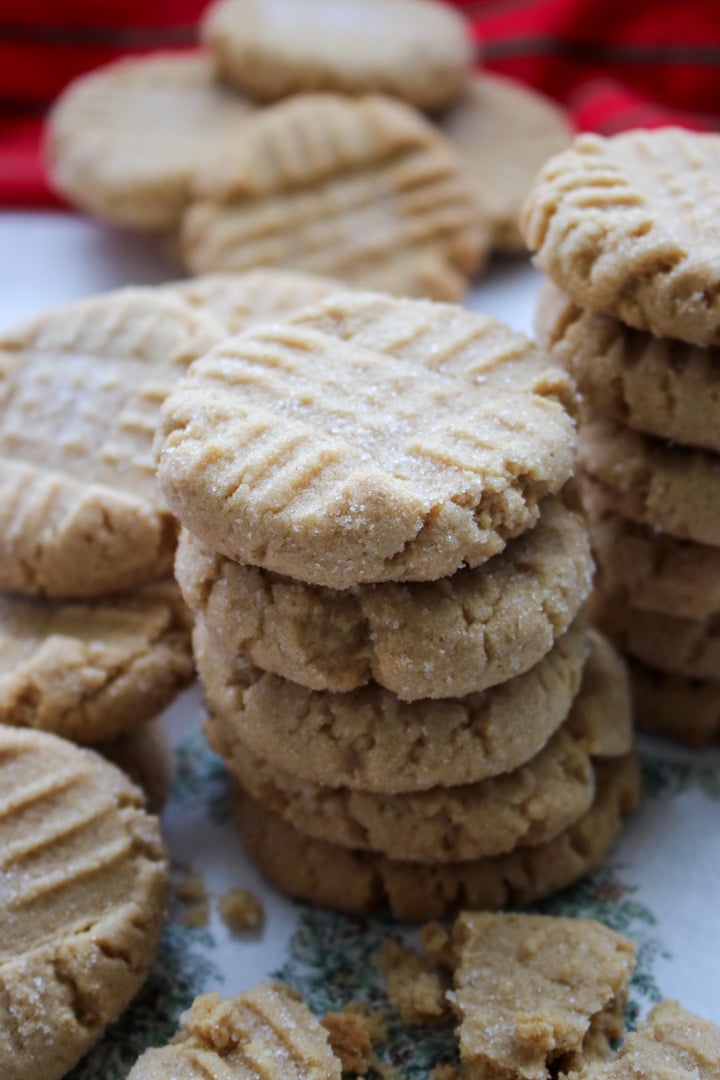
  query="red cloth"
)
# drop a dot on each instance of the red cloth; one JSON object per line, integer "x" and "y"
{"x": 614, "y": 63}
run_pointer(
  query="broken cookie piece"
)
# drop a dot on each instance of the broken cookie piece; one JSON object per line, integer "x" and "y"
{"x": 671, "y": 1045}
{"x": 537, "y": 995}
{"x": 414, "y": 987}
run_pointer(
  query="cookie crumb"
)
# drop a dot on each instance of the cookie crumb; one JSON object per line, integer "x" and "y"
{"x": 192, "y": 889}
{"x": 437, "y": 943}
{"x": 444, "y": 1072}
{"x": 240, "y": 909}
{"x": 197, "y": 914}
{"x": 350, "y": 1040}
{"x": 414, "y": 987}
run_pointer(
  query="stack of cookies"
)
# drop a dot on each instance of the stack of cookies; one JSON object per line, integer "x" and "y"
{"x": 387, "y": 563}
{"x": 627, "y": 230}
{"x": 301, "y": 140}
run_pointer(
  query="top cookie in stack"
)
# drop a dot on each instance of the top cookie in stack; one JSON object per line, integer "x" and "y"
{"x": 627, "y": 230}
{"x": 388, "y": 566}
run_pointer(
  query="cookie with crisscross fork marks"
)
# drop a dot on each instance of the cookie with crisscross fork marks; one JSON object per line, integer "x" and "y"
{"x": 630, "y": 226}
{"x": 364, "y": 190}
{"x": 367, "y": 439}
{"x": 124, "y": 141}
{"x": 267, "y": 1033}
{"x": 83, "y": 882}
{"x": 81, "y": 513}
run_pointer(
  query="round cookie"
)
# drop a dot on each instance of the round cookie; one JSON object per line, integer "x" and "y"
{"x": 655, "y": 385}
{"x": 85, "y": 884}
{"x": 145, "y": 755}
{"x": 265, "y": 1032}
{"x": 522, "y": 808}
{"x": 361, "y": 189}
{"x": 362, "y": 882}
{"x": 241, "y": 300}
{"x": 369, "y": 740}
{"x": 627, "y": 226}
{"x": 81, "y": 513}
{"x": 418, "y": 50}
{"x": 674, "y": 489}
{"x": 124, "y": 140}
{"x": 689, "y": 647}
{"x": 504, "y": 131}
{"x": 687, "y": 710}
{"x": 90, "y": 672}
{"x": 492, "y": 623}
{"x": 329, "y": 448}
{"x": 655, "y": 571}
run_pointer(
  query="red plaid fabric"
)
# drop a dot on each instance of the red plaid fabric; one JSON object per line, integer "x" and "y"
{"x": 614, "y": 63}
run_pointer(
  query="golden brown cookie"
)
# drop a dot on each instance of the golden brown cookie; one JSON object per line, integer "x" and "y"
{"x": 504, "y": 131}
{"x": 145, "y": 755}
{"x": 81, "y": 513}
{"x": 627, "y": 226}
{"x": 656, "y": 385}
{"x": 537, "y": 995}
{"x": 365, "y": 190}
{"x": 689, "y": 647}
{"x": 332, "y": 448}
{"x": 670, "y": 488}
{"x": 93, "y": 671}
{"x": 672, "y": 1044}
{"x": 523, "y": 808}
{"x": 419, "y": 50}
{"x": 367, "y": 739}
{"x": 362, "y": 882}
{"x": 84, "y": 884}
{"x": 124, "y": 141}
{"x": 655, "y": 571}
{"x": 674, "y": 706}
{"x": 266, "y": 1033}
{"x": 447, "y": 638}
{"x": 241, "y": 300}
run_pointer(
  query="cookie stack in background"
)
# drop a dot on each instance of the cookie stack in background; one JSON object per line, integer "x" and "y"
{"x": 388, "y": 589}
{"x": 627, "y": 230}
{"x": 302, "y": 141}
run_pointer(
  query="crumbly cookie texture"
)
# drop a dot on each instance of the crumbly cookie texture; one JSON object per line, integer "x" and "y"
{"x": 264, "y": 295}
{"x": 535, "y": 992}
{"x": 81, "y": 513}
{"x": 655, "y": 385}
{"x": 672, "y": 1044}
{"x": 124, "y": 141}
{"x": 686, "y": 710}
{"x": 85, "y": 884}
{"x": 656, "y": 571}
{"x": 367, "y": 739}
{"x": 689, "y": 647}
{"x": 146, "y": 756}
{"x": 504, "y": 132}
{"x": 329, "y": 448}
{"x": 371, "y": 193}
{"x": 627, "y": 226}
{"x": 363, "y": 882}
{"x": 670, "y": 488}
{"x": 494, "y": 622}
{"x": 523, "y": 808}
{"x": 418, "y": 50}
{"x": 93, "y": 671}
{"x": 266, "y": 1033}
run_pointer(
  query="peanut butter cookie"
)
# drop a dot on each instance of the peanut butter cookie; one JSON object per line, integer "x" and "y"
{"x": 362, "y": 189}
{"x": 85, "y": 883}
{"x": 369, "y": 740}
{"x": 419, "y": 50}
{"x": 628, "y": 227}
{"x": 363, "y": 882}
{"x": 81, "y": 513}
{"x": 677, "y": 707}
{"x": 125, "y": 140}
{"x": 331, "y": 448}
